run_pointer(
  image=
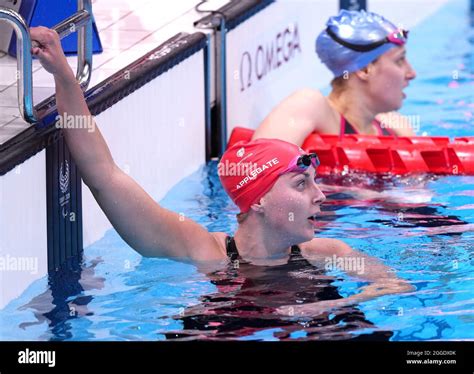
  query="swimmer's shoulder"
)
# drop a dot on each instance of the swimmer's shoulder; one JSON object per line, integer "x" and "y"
{"x": 308, "y": 100}
{"x": 310, "y": 94}
{"x": 213, "y": 252}
{"x": 220, "y": 238}
{"x": 319, "y": 248}
{"x": 293, "y": 119}
{"x": 214, "y": 257}
{"x": 317, "y": 109}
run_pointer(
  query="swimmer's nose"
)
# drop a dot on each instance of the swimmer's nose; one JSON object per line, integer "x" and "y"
{"x": 319, "y": 198}
{"x": 411, "y": 73}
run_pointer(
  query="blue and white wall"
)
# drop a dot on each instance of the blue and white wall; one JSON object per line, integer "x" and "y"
{"x": 23, "y": 238}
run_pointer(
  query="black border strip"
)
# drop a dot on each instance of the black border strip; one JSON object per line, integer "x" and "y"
{"x": 101, "y": 97}
{"x": 339, "y": 355}
{"x": 236, "y": 12}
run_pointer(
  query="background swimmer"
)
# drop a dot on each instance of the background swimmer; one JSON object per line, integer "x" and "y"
{"x": 367, "y": 55}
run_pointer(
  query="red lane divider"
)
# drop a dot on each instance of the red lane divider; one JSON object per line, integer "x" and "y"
{"x": 385, "y": 154}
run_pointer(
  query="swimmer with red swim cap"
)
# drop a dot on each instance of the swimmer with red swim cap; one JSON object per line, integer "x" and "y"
{"x": 366, "y": 55}
{"x": 271, "y": 181}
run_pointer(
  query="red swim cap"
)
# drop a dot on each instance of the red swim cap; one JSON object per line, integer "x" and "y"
{"x": 248, "y": 170}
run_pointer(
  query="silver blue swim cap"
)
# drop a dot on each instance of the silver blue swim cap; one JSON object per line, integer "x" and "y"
{"x": 353, "y": 27}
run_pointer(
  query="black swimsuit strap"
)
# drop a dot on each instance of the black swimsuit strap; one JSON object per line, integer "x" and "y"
{"x": 233, "y": 252}
{"x": 347, "y": 128}
{"x": 295, "y": 250}
{"x": 387, "y": 131}
{"x": 350, "y": 129}
{"x": 231, "y": 248}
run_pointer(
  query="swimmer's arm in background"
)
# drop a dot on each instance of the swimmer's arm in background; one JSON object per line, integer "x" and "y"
{"x": 147, "y": 227}
{"x": 399, "y": 123}
{"x": 322, "y": 251}
{"x": 296, "y": 117}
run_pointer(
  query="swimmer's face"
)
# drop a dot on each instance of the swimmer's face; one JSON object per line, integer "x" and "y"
{"x": 389, "y": 75}
{"x": 291, "y": 201}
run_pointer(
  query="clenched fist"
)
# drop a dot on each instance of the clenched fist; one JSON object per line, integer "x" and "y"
{"x": 49, "y": 51}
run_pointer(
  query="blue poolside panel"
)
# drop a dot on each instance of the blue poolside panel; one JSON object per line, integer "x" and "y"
{"x": 63, "y": 204}
{"x": 49, "y": 13}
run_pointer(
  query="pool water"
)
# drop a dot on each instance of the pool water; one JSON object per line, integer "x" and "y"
{"x": 421, "y": 226}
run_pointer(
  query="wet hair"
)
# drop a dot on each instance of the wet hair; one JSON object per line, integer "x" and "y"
{"x": 338, "y": 84}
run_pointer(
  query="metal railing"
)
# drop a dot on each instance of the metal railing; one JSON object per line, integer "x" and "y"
{"x": 81, "y": 21}
{"x": 217, "y": 22}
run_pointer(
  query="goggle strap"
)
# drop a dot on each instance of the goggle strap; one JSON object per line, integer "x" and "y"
{"x": 367, "y": 47}
{"x": 354, "y": 47}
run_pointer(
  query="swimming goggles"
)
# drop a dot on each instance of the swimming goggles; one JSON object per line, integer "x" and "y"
{"x": 302, "y": 163}
{"x": 398, "y": 37}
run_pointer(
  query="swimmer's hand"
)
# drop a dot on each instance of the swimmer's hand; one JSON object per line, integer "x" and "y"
{"x": 46, "y": 46}
{"x": 385, "y": 287}
{"x": 312, "y": 309}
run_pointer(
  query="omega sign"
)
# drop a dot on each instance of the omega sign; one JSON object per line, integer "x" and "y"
{"x": 269, "y": 56}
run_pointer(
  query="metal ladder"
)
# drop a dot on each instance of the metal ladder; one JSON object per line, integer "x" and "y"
{"x": 81, "y": 21}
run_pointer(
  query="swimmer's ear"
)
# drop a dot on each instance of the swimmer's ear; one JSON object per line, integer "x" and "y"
{"x": 258, "y": 207}
{"x": 364, "y": 73}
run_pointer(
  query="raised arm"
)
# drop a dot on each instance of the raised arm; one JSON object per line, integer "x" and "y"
{"x": 147, "y": 227}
